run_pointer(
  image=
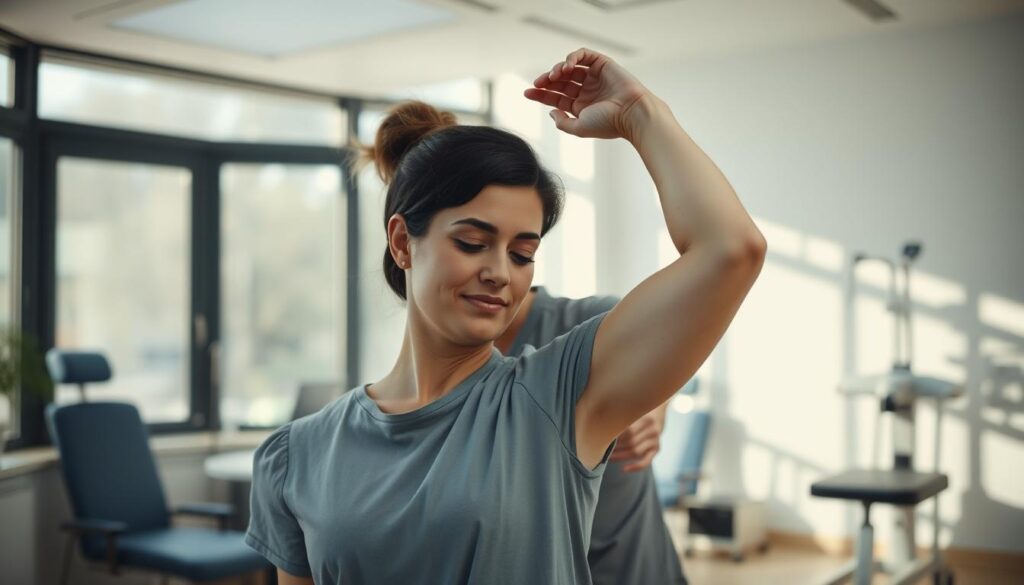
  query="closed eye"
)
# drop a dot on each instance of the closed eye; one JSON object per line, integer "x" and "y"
{"x": 520, "y": 259}
{"x": 467, "y": 247}
{"x": 473, "y": 248}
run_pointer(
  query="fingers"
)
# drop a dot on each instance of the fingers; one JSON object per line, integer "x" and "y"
{"x": 550, "y": 98}
{"x": 580, "y": 57}
{"x": 640, "y": 449}
{"x": 640, "y": 465}
{"x": 577, "y": 75}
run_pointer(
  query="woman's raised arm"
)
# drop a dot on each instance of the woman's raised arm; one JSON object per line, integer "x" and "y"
{"x": 657, "y": 337}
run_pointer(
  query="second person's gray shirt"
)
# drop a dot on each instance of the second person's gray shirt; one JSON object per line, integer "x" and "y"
{"x": 630, "y": 543}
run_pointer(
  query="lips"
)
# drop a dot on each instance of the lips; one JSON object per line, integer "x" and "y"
{"x": 487, "y": 299}
{"x": 486, "y": 303}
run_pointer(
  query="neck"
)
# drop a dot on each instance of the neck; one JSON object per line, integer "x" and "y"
{"x": 505, "y": 341}
{"x": 427, "y": 369}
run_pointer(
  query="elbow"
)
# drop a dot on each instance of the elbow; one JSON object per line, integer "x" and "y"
{"x": 747, "y": 252}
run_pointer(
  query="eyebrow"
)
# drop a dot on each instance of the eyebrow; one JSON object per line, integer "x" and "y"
{"x": 492, "y": 229}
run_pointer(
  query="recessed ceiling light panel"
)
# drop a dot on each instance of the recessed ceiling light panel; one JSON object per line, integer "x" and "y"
{"x": 273, "y": 28}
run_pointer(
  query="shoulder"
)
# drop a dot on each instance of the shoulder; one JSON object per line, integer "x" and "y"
{"x": 595, "y": 305}
{"x": 313, "y": 427}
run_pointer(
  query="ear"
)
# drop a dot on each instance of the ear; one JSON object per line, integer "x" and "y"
{"x": 399, "y": 240}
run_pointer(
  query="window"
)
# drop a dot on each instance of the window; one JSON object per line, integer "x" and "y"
{"x": 141, "y": 100}
{"x": 9, "y": 281}
{"x": 6, "y": 80}
{"x": 467, "y": 95}
{"x": 123, "y": 280}
{"x": 282, "y": 282}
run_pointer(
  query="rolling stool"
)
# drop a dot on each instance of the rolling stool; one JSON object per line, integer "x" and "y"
{"x": 902, "y": 488}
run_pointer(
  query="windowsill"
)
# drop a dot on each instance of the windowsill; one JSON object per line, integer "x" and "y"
{"x": 25, "y": 461}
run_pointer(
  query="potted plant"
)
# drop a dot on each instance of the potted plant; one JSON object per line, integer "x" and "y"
{"x": 21, "y": 364}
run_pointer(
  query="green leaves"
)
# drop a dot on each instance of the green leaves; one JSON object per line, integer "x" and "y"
{"x": 22, "y": 363}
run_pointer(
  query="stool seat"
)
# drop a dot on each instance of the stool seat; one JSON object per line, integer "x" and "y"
{"x": 885, "y": 486}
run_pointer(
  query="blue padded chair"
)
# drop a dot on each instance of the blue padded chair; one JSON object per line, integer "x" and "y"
{"x": 677, "y": 467}
{"x": 121, "y": 514}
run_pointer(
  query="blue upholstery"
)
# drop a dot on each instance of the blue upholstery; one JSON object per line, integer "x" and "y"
{"x": 110, "y": 475}
{"x": 108, "y": 468}
{"x": 197, "y": 554}
{"x": 683, "y": 442}
{"x": 75, "y": 367}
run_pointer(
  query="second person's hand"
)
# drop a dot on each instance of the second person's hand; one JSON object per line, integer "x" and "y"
{"x": 593, "y": 88}
{"x": 638, "y": 444}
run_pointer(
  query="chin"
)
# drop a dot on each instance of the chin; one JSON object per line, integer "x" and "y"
{"x": 481, "y": 333}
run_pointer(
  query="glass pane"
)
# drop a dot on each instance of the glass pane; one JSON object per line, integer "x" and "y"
{"x": 382, "y": 311}
{"x": 123, "y": 261}
{"x": 467, "y": 95}
{"x": 6, "y": 81}
{"x": 282, "y": 304}
{"x": 369, "y": 121}
{"x": 8, "y": 264}
{"x": 145, "y": 101}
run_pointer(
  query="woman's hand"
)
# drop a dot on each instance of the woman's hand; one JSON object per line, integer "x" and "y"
{"x": 594, "y": 89}
{"x": 639, "y": 443}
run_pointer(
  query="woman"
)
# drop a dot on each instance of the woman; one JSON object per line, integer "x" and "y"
{"x": 464, "y": 466}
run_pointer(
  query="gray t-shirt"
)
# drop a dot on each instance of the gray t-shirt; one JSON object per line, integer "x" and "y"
{"x": 480, "y": 486}
{"x": 630, "y": 542}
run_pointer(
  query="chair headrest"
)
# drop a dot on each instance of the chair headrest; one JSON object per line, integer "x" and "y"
{"x": 77, "y": 367}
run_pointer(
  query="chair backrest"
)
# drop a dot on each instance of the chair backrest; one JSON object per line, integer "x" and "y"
{"x": 683, "y": 443}
{"x": 108, "y": 468}
{"x": 314, "y": 396}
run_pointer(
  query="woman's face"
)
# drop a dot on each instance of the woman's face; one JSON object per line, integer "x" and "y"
{"x": 472, "y": 269}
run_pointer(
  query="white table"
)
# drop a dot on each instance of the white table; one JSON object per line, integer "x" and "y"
{"x": 234, "y": 467}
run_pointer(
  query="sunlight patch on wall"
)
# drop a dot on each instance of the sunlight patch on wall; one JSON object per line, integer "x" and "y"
{"x": 823, "y": 253}
{"x": 1002, "y": 313}
{"x": 579, "y": 246}
{"x": 940, "y": 349}
{"x": 784, "y": 340}
{"x": 576, "y": 156}
{"x": 781, "y": 239}
{"x": 1002, "y": 482}
{"x": 935, "y": 291}
{"x": 667, "y": 252}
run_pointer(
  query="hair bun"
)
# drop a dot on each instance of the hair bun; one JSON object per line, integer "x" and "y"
{"x": 403, "y": 128}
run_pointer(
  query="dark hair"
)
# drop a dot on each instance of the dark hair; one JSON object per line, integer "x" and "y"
{"x": 431, "y": 163}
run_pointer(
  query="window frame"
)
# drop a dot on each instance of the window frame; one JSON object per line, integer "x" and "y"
{"x": 42, "y": 142}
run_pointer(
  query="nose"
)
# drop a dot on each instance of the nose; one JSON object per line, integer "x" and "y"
{"x": 496, "y": 270}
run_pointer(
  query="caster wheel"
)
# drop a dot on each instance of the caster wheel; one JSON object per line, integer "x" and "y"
{"x": 943, "y": 576}
{"x": 737, "y": 557}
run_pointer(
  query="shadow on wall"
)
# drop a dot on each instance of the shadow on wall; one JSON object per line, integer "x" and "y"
{"x": 772, "y": 388}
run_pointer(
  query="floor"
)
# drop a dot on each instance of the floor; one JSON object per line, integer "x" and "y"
{"x": 795, "y": 566}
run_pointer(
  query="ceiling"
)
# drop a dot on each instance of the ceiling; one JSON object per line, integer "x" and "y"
{"x": 480, "y": 38}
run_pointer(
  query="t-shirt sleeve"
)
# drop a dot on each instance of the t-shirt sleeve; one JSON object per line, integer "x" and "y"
{"x": 274, "y": 531}
{"x": 556, "y": 375}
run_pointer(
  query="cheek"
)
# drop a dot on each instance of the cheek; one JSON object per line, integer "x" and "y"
{"x": 446, "y": 267}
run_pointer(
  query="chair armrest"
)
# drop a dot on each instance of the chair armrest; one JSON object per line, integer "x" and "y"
{"x": 222, "y": 512}
{"x": 82, "y": 525}
{"x": 110, "y": 529}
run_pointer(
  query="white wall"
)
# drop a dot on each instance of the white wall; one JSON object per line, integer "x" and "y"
{"x": 851, "y": 146}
